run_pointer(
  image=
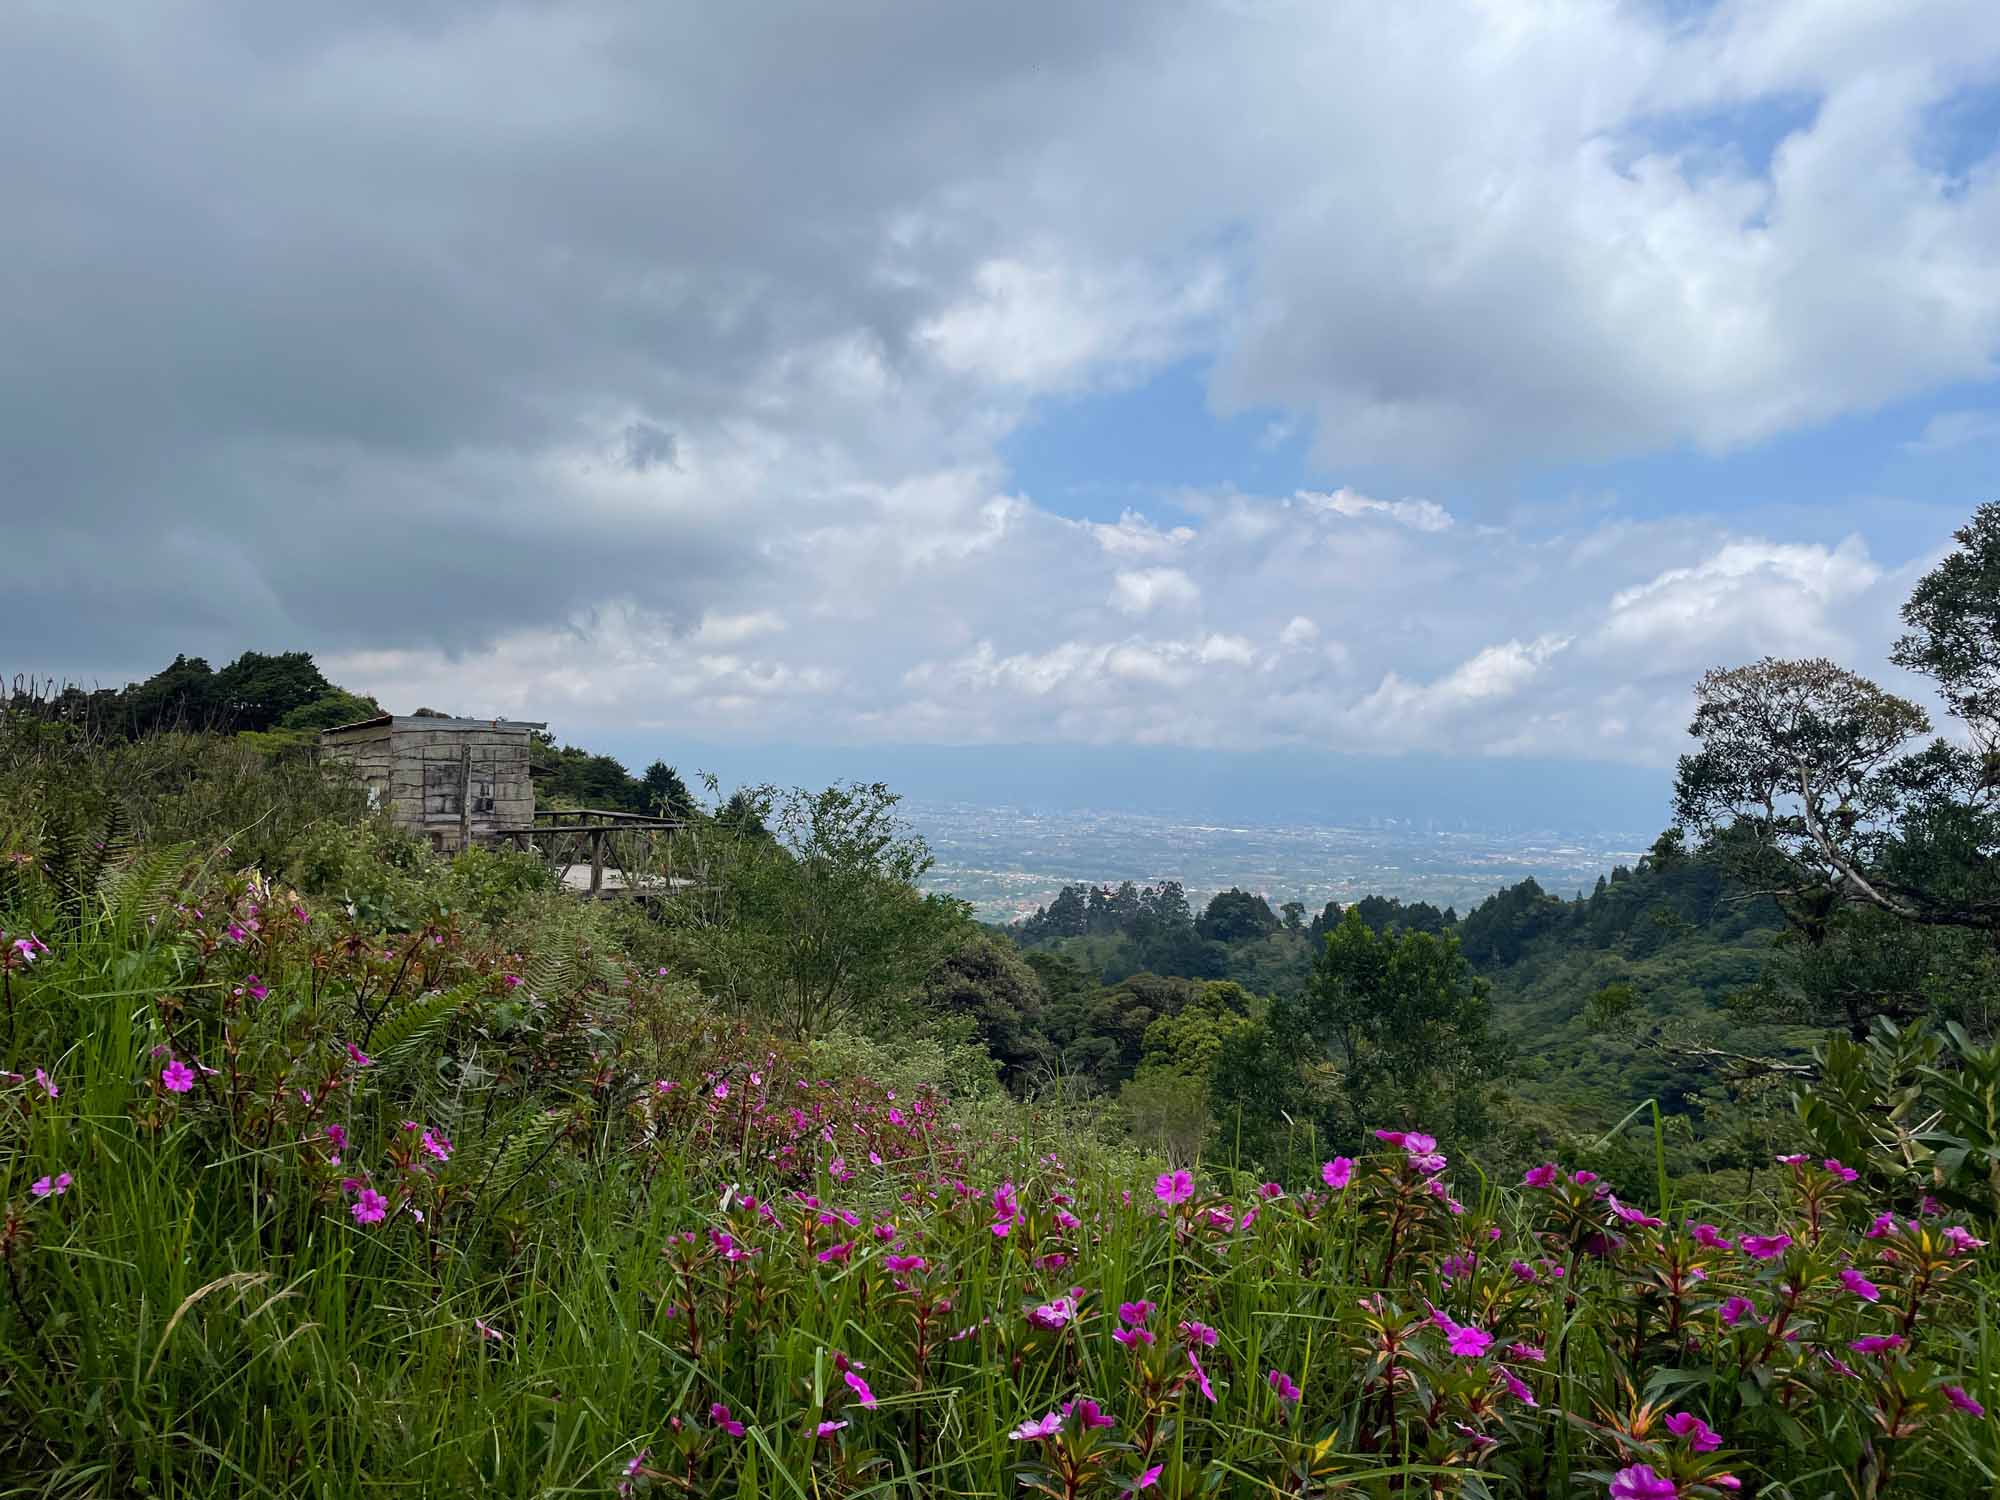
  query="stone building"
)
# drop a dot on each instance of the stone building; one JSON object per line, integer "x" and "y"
{"x": 456, "y": 780}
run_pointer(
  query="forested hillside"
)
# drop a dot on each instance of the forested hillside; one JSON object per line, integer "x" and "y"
{"x": 1599, "y": 1002}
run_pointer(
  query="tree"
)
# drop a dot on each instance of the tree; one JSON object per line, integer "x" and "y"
{"x": 182, "y": 695}
{"x": 1235, "y": 916}
{"x": 329, "y": 712}
{"x": 1954, "y": 638}
{"x": 666, "y": 794}
{"x": 1812, "y": 768}
{"x": 984, "y": 979}
{"x": 256, "y": 691}
{"x": 818, "y": 919}
{"x": 1188, "y": 1041}
{"x": 1816, "y": 786}
{"x": 1500, "y": 927}
{"x": 1407, "y": 1023}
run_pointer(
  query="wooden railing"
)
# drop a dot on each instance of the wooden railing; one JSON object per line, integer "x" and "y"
{"x": 595, "y": 825}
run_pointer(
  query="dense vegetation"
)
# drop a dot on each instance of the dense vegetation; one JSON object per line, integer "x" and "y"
{"x": 333, "y": 1167}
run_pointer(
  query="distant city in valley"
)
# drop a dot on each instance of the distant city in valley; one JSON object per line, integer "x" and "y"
{"x": 1007, "y": 861}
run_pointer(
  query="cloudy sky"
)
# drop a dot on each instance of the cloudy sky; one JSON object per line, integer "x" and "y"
{"x": 1458, "y": 378}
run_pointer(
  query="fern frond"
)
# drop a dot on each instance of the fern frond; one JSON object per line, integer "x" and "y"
{"x": 524, "y": 1147}
{"x": 144, "y": 888}
{"x": 553, "y": 975}
{"x": 106, "y": 853}
{"x": 405, "y": 1033}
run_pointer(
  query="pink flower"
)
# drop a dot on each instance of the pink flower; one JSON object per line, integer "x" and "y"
{"x": 370, "y": 1207}
{"x": 1337, "y": 1173}
{"x": 860, "y": 1388}
{"x": 1700, "y": 1437}
{"x": 834, "y": 1254}
{"x": 1640, "y": 1483}
{"x": 1845, "y": 1174}
{"x": 1468, "y": 1342}
{"x": 51, "y": 1187}
{"x": 828, "y": 1429}
{"x": 1131, "y": 1338}
{"x": 1764, "y": 1246}
{"x": 1201, "y": 1376}
{"x": 1860, "y": 1285}
{"x": 1148, "y": 1479}
{"x": 512, "y": 981}
{"x": 1736, "y": 1309}
{"x": 1411, "y": 1142}
{"x": 359, "y": 1058}
{"x": 1961, "y": 1239}
{"x": 719, "y": 1415}
{"x": 1517, "y": 1387}
{"x": 1052, "y": 1315}
{"x": 1279, "y": 1381}
{"x": 48, "y": 1084}
{"x": 1199, "y": 1333}
{"x": 1087, "y": 1413}
{"x": 1531, "y": 1352}
{"x": 1709, "y": 1237}
{"x": 1876, "y": 1343}
{"x": 1035, "y": 1430}
{"x": 1957, "y": 1396}
{"x": 1540, "y": 1177}
{"x": 721, "y": 1091}
{"x": 177, "y": 1077}
{"x": 902, "y": 1264}
{"x": 487, "y": 1330}
{"x": 1634, "y": 1216}
{"x": 1134, "y": 1314}
{"x": 436, "y": 1145}
{"x": 257, "y": 988}
{"x": 1174, "y": 1187}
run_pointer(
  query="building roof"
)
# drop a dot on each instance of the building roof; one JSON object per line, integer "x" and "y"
{"x": 435, "y": 721}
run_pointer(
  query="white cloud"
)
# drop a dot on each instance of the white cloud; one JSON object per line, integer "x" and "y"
{"x": 1789, "y": 597}
{"x": 1420, "y": 515}
{"x": 1143, "y": 590}
{"x": 1055, "y": 323}
{"x": 1135, "y": 536}
{"x": 720, "y": 629}
{"x": 1956, "y": 429}
{"x": 1498, "y": 642}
